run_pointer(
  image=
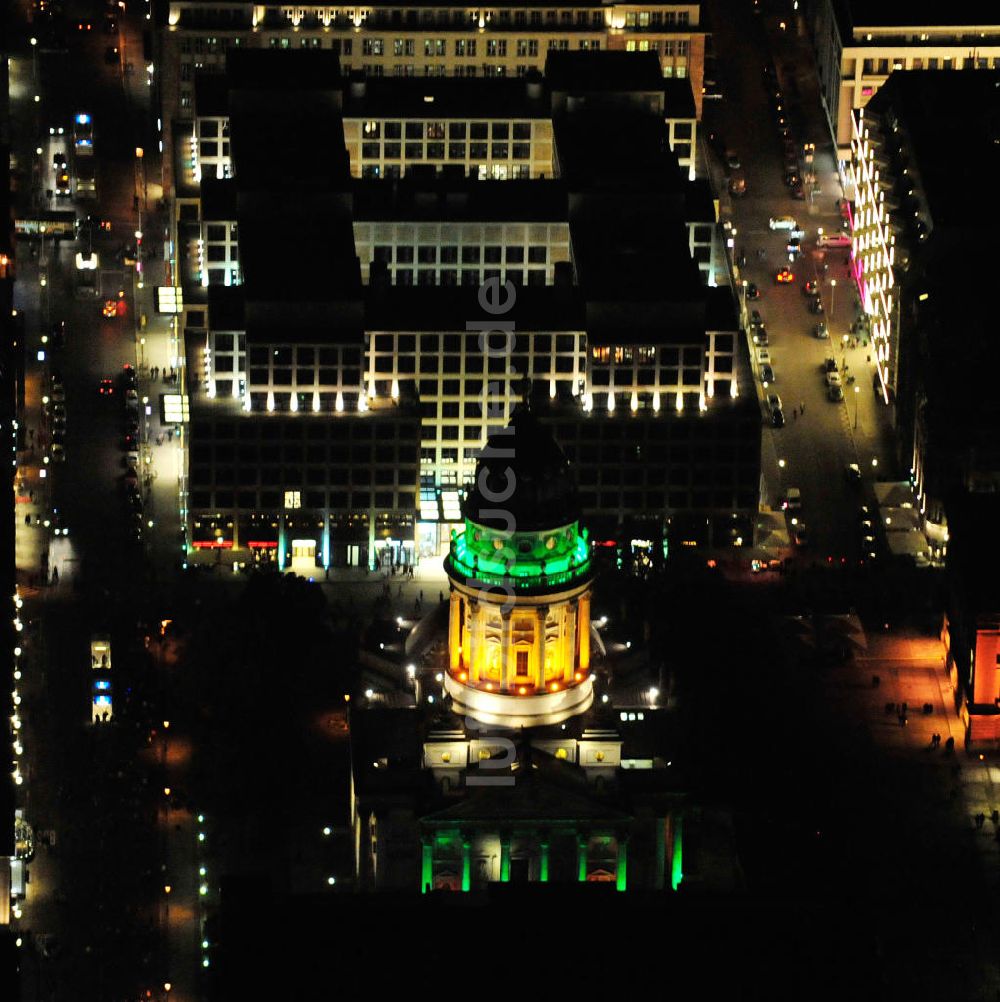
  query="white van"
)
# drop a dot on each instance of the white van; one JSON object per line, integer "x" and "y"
{"x": 833, "y": 240}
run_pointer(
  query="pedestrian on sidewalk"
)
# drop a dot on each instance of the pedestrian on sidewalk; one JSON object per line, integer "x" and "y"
{"x": 31, "y": 496}
{"x": 795, "y": 414}
{"x": 27, "y": 520}
{"x": 802, "y": 407}
{"x": 31, "y": 434}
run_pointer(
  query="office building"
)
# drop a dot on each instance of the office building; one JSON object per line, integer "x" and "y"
{"x": 924, "y": 152}
{"x": 317, "y": 299}
{"x": 858, "y": 43}
{"x": 420, "y": 40}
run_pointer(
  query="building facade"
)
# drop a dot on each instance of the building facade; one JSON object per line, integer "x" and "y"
{"x": 420, "y": 40}
{"x": 923, "y": 150}
{"x": 859, "y": 44}
{"x": 373, "y": 312}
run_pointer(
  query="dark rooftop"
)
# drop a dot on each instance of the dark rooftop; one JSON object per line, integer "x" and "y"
{"x": 451, "y": 308}
{"x": 974, "y": 550}
{"x": 211, "y": 95}
{"x": 282, "y": 71}
{"x": 296, "y": 148}
{"x": 450, "y": 97}
{"x": 921, "y": 13}
{"x": 952, "y": 122}
{"x": 584, "y": 72}
{"x": 447, "y": 200}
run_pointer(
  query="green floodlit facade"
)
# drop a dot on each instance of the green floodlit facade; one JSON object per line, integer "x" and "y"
{"x": 549, "y": 559}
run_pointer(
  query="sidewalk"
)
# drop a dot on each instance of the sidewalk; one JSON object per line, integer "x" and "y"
{"x": 911, "y": 670}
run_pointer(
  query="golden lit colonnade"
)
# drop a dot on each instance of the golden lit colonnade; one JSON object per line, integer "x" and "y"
{"x": 520, "y": 574}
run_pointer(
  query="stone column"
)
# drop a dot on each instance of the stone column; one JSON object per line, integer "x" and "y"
{"x": 504, "y": 858}
{"x": 476, "y": 640}
{"x": 506, "y": 668}
{"x": 454, "y": 631}
{"x": 426, "y": 865}
{"x": 541, "y": 615}
{"x": 581, "y": 857}
{"x": 677, "y": 845}
{"x": 569, "y": 641}
{"x": 543, "y": 868}
{"x": 583, "y": 621}
{"x": 621, "y": 874}
{"x": 466, "y": 862}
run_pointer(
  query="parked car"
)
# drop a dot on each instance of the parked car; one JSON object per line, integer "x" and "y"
{"x": 835, "y": 393}
{"x": 829, "y": 365}
{"x": 760, "y": 336}
{"x": 752, "y": 291}
{"x": 792, "y": 501}
{"x": 820, "y": 331}
{"x": 810, "y": 289}
{"x": 816, "y": 305}
{"x": 833, "y": 378}
{"x": 763, "y": 356}
{"x": 783, "y": 223}
{"x": 783, "y": 276}
{"x": 732, "y": 160}
{"x": 853, "y": 473}
{"x": 766, "y": 374}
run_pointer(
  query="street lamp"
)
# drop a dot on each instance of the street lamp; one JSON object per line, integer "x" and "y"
{"x": 857, "y": 390}
{"x": 34, "y": 58}
{"x": 833, "y": 292}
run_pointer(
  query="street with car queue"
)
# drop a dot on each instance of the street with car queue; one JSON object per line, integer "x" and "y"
{"x": 97, "y": 521}
{"x": 792, "y": 199}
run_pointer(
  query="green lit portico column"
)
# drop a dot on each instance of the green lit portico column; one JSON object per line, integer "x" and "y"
{"x": 504, "y": 858}
{"x": 543, "y": 869}
{"x": 581, "y": 857}
{"x": 426, "y": 865}
{"x": 466, "y": 863}
{"x": 677, "y": 861}
{"x": 621, "y": 874}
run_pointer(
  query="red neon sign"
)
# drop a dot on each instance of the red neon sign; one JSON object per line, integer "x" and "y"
{"x": 213, "y": 544}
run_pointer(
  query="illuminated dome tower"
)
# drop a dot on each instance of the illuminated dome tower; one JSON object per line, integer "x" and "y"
{"x": 520, "y": 573}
